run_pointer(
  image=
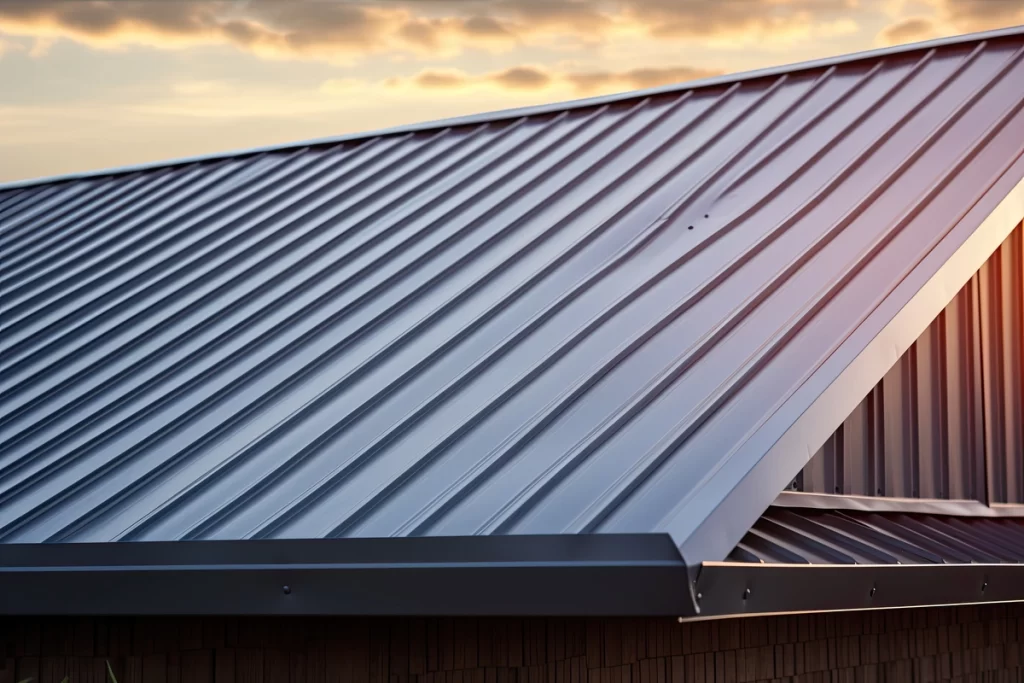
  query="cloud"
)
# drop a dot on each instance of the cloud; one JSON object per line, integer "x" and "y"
{"x": 735, "y": 23}
{"x": 487, "y": 27}
{"x": 981, "y": 15}
{"x": 340, "y": 31}
{"x": 7, "y": 46}
{"x": 909, "y": 31}
{"x": 635, "y": 79}
{"x": 108, "y": 24}
{"x": 950, "y": 17}
{"x": 328, "y": 30}
{"x": 522, "y": 78}
{"x": 535, "y": 78}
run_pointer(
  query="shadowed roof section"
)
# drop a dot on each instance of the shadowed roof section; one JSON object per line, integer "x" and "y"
{"x": 797, "y": 536}
{"x": 635, "y": 316}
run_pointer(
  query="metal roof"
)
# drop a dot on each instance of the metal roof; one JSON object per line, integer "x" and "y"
{"x": 796, "y": 536}
{"x": 635, "y": 316}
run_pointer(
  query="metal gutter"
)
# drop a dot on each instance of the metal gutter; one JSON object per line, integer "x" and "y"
{"x": 736, "y": 589}
{"x": 922, "y": 506}
{"x": 599, "y": 575}
{"x": 506, "y": 114}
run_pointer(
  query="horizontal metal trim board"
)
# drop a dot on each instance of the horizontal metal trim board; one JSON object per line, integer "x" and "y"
{"x": 451, "y": 591}
{"x": 727, "y": 588}
{"x": 415, "y": 577}
{"x": 565, "y": 550}
{"x": 506, "y": 114}
{"x": 928, "y": 506}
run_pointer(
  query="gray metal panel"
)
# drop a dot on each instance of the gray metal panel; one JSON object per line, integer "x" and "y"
{"x": 795, "y": 536}
{"x": 1001, "y": 295}
{"x": 559, "y": 323}
{"x": 949, "y": 411}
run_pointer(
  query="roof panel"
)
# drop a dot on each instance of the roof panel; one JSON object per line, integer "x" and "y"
{"x": 814, "y": 536}
{"x": 562, "y": 322}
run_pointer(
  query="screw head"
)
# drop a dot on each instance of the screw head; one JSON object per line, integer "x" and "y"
{"x": 984, "y": 586}
{"x": 699, "y": 596}
{"x": 746, "y": 593}
{"x": 286, "y": 589}
{"x": 873, "y": 589}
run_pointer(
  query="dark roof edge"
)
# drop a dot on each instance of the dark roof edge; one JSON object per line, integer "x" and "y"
{"x": 504, "y": 114}
{"x": 911, "y": 506}
{"x": 472, "y": 576}
{"x": 742, "y": 589}
{"x": 708, "y": 526}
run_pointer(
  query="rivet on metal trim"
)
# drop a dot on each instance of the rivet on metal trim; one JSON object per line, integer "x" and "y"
{"x": 287, "y": 589}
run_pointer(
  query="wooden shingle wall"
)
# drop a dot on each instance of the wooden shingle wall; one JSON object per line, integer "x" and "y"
{"x": 961, "y": 644}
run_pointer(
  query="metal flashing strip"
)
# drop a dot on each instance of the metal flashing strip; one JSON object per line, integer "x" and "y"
{"x": 734, "y": 589}
{"x": 508, "y": 114}
{"x": 916, "y": 506}
{"x": 476, "y": 576}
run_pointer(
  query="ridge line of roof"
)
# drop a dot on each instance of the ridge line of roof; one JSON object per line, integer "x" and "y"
{"x": 531, "y": 110}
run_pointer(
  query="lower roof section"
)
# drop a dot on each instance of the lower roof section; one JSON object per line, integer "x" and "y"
{"x": 892, "y": 536}
{"x": 828, "y": 553}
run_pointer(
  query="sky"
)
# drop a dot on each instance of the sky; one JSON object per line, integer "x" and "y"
{"x": 95, "y": 84}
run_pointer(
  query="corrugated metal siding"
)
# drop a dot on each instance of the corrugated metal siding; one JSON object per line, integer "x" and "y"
{"x": 790, "y": 535}
{"x": 949, "y": 411}
{"x": 1001, "y": 297}
{"x": 553, "y": 324}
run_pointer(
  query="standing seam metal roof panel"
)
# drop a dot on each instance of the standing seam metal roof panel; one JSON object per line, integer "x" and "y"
{"x": 796, "y": 536}
{"x": 565, "y": 322}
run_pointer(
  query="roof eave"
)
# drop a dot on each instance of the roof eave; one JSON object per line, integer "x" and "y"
{"x": 597, "y": 575}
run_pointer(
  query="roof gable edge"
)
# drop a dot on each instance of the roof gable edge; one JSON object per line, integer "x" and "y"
{"x": 709, "y": 525}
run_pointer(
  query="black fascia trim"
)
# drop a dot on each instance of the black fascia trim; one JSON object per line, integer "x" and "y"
{"x": 737, "y": 589}
{"x": 578, "y": 575}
